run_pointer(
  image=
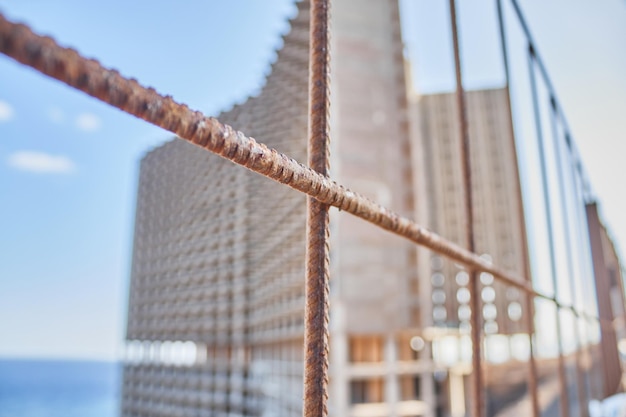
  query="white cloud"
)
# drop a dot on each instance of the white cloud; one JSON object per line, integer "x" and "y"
{"x": 40, "y": 162}
{"x": 6, "y": 111}
{"x": 88, "y": 122}
{"x": 56, "y": 115}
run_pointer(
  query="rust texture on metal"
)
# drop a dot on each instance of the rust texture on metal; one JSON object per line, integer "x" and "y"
{"x": 317, "y": 289}
{"x": 43, "y": 54}
{"x": 477, "y": 404}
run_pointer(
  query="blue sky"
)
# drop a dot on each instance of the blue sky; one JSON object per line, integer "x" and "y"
{"x": 69, "y": 164}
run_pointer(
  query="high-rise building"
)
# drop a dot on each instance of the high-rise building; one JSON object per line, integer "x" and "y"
{"x": 216, "y": 299}
{"x": 218, "y": 259}
{"x": 498, "y": 221}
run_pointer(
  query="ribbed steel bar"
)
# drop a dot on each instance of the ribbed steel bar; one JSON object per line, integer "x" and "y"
{"x": 528, "y": 300}
{"x": 317, "y": 290}
{"x": 478, "y": 406}
{"x": 66, "y": 65}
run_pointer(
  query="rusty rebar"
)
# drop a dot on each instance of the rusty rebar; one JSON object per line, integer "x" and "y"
{"x": 527, "y": 272}
{"x": 317, "y": 290}
{"x": 43, "y": 54}
{"x": 547, "y": 200}
{"x": 466, "y": 169}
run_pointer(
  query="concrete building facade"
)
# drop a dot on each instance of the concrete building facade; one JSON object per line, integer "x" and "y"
{"x": 216, "y": 299}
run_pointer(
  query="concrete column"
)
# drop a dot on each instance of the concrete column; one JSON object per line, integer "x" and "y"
{"x": 427, "y": 385}
{"x": 391, "y": 375}
{"x": 339, "y": 404}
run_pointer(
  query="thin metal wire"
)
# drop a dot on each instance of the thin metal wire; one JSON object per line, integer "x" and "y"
{"x": 548, "y": 212}
{"x": 316, "y": 312}
{"x": 478, "y": 403}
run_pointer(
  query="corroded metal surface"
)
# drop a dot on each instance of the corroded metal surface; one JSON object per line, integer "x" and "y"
{"x": 316, "y": 312}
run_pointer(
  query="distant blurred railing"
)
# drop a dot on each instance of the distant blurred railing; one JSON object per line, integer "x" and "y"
{"x": 561, "y": 191}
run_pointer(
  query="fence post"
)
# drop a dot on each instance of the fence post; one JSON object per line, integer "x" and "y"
{"x": 316, "y": 313}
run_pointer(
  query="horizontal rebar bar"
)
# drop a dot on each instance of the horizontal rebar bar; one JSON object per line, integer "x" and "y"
{"x": 45, "y": 55}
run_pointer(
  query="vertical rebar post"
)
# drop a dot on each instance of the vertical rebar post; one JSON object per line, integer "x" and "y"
{"x": 466, "y": 169}
{"x": 528, "y": 299}
{"x": 557, "y": 149}
{"x": 316, "y": 314}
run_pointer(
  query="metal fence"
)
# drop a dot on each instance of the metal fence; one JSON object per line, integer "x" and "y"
{"x": 565, "y": 206}
{"x": 44, "y": 54}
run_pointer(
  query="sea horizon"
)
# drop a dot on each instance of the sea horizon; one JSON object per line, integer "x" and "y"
{"x": 59, "y": 387}
{"x": 57, "y": 359}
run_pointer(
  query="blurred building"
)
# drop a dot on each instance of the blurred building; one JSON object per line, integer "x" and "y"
{"x": 219, "y": 263}
{"x": 497, "y": 210}
{"x": 218, "y": 259}
{"x": 216, "y": 301}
